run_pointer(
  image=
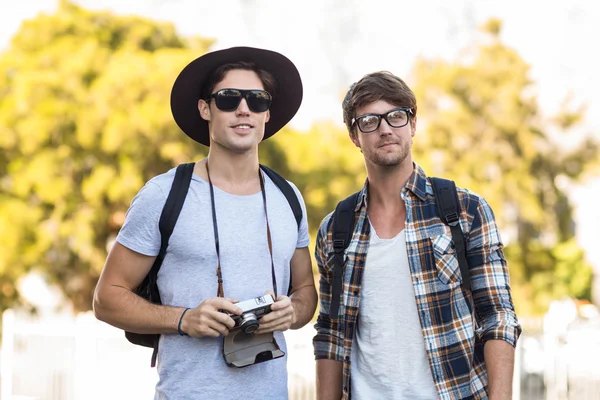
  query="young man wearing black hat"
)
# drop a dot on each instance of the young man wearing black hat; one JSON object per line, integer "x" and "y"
{"x": 235, "y": 220}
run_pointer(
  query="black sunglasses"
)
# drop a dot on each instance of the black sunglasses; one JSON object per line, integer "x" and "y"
{"x": 395, "y": 118}
{"x": 229, "y": 99}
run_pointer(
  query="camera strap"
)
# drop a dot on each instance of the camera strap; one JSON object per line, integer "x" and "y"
{"x": 220, "y": 292}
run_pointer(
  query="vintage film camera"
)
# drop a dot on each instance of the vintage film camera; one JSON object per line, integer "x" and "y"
{"x": 252, "y": 311}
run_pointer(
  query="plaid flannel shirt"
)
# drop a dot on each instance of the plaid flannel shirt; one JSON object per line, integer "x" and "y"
{"x": 455, "y": 324}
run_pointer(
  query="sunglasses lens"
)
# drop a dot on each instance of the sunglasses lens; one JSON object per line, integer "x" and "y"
{"x": 228, "y": 99}
{"x": 258, "y": 100}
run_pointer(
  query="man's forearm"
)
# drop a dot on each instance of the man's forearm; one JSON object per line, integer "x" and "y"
{"x": 329, "y": 380}
{"x": 499, "y": 360}
{"x": 304, "y": 301}
{"x": 124, "y": 309}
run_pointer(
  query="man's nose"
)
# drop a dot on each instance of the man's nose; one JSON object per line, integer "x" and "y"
{"x": 243, "y": 108}
{"x": 384, "y": 127}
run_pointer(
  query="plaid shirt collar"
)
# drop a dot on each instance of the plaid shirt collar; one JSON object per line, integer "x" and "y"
{"x": 417, "y": 184}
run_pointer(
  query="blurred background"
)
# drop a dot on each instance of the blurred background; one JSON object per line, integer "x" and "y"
{"x": 508, "y": 105}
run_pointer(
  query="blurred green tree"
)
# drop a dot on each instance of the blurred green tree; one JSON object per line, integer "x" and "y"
{"x": 323, "y": 163}
{"x": 84, "y": 122}
{"x": 479, "y": 124}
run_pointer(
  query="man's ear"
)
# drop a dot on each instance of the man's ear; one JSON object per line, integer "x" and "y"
{"x": 204, "y": 109}
{"x": 268, "y": 116}
{"x": 413, "y": 126}
{"x": 354, "y": 138}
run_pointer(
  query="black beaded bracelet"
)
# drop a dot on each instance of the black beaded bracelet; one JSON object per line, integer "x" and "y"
{"x": 182, "y": 333}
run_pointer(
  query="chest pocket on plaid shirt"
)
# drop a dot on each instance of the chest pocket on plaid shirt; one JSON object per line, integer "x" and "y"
{"x": 446, "y": 262}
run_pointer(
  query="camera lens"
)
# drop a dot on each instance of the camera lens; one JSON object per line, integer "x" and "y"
{"x": 249, "y": 323}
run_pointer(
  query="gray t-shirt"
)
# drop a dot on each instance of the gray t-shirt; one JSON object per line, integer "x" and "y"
{"x": 191, "y": 368}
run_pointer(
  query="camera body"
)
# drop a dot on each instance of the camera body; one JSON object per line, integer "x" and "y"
{"x": 252, "y": 310}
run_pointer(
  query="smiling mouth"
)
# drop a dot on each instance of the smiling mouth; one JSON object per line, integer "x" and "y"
{"x": 242, "y": 126}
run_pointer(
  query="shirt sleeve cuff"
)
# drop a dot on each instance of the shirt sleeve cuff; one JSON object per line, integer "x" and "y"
{"x": 327, "y": 348}
{"x": 508, "y": 333}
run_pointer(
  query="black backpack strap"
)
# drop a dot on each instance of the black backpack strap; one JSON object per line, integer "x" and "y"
{"x": 343, "y": 229}
{"x": 166, "y": 224}
{"x": 168, "y": 219}
{"x": 287, "y": 191}
{"x": 174, "y": 203}
{"x": 291, "y": 197}
{"x": 448, "y": 207}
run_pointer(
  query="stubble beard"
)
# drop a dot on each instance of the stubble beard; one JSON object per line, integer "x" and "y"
{"x": 381, "y": 158}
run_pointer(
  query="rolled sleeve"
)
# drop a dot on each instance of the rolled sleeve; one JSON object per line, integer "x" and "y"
{"x": 328, "y": 342}
{"x": 490, "y": 280}
{"x": 502, "y": 326}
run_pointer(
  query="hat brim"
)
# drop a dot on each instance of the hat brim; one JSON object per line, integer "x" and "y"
{"x": 188, "y": 86}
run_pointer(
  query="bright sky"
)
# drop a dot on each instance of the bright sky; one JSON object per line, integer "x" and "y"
{"x": 335, "y": 42}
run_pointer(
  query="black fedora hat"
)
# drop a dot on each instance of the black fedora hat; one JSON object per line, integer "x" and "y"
{"x": 191, "y": 80}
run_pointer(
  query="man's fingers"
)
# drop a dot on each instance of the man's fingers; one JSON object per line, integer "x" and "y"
{"x": 277, "y": 321}
{"x": 210, "y": 331}
{"x": 281, "y": 303}
{"x": 268, "y": 326}
{"x": 229, "y": 299}
{"x": 218, "y": 326}
{"x": 271, "y": 328}
{"x": 218, "y": 300}
{"x": 283, "y": 313}
{"x": 272, "y": 316}
{"x": 223, "y": 319}
{"x": 226, "y": 305}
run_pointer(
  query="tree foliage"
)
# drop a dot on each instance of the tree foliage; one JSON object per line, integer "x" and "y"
{"x": 85, "y": 122}
{"x": 482, "y": 127}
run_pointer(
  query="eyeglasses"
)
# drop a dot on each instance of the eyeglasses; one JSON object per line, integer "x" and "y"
{"x": 230, "y": 99}
{"x": 395, "y": 118}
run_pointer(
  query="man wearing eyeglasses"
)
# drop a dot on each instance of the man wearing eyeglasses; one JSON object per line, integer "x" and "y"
{"x": 402, "y": 325}
{"x": 236, "y": 238}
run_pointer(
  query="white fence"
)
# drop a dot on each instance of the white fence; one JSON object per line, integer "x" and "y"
{"x": 558, "y": 358}
{"x": 68, "y": 358}
{"x": 74, "y": 358}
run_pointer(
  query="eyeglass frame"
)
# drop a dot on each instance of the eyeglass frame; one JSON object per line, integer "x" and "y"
{"x": 244, "y": 95}
{"x": 407, "y": 110}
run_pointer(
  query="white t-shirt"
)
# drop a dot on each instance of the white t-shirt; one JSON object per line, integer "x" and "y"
{"x": 388, "y": 353}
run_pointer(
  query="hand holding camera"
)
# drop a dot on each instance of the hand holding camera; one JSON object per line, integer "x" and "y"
{"x": 208, "y": 319}
{"x": 252, "y": 310}
{"x": 281, "y": 317}
{"x": 217, "y": 316}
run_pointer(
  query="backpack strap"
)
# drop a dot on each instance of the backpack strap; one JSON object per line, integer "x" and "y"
{"x": 168, "y": 219}
{"x": 287, "y": 191}
{"x": 448, "y": 207}
{"x": 166, "y": 224}
{"x": 290, "y": 196}
{"x": 343, "y": 229}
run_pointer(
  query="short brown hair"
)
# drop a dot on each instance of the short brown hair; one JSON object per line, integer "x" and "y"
{"x": 382, "y": 85}
{"x": 267, "y": 79}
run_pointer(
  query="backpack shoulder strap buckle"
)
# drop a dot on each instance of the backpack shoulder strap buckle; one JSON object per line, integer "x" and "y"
{"x": 448, "y": 207}
{"x": 452, "y": 218}
{"x": 338, "y": 245}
